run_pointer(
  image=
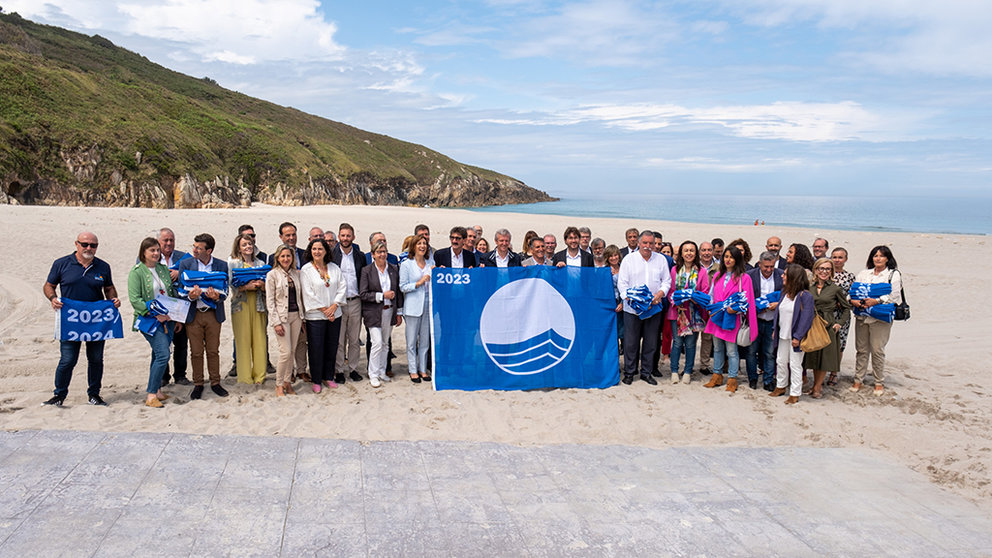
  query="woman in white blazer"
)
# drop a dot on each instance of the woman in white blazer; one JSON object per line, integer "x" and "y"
{"x": 415, "y": 282}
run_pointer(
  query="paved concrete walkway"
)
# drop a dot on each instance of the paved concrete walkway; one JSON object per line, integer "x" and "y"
{"x": 105, "y": 494}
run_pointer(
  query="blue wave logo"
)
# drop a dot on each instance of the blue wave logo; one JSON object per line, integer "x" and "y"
{"x": 527, "y": 327}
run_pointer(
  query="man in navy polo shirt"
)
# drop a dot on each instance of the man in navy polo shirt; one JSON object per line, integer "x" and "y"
{"x": 84, "y": 277}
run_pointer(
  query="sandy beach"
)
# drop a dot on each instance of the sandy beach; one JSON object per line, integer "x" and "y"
{"x": 934, "y": 417}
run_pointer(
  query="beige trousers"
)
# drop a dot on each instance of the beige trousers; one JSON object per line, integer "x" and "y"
{"x": 870, "y": 340}
{"x": 289, "y": 345}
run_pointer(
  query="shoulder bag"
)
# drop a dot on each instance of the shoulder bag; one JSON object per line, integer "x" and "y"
{"x": 817, "y": 337}
{"x": 902, "y": 309}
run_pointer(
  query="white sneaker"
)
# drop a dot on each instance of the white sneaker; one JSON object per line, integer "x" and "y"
{"x": 375, "y": 381}
{"x": 386, "y": 379}
{"x": 675, "y": 377}
{"x": 686, "y": 378}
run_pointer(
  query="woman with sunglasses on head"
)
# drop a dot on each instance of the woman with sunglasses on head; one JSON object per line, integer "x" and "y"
{"x": 828, "y": 297}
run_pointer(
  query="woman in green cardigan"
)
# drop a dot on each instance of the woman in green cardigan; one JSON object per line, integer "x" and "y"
{"x": 828, "y": 297}
{"x": 147, "y": 280}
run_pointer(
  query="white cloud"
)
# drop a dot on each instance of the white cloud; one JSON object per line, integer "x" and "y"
{"x": 806, "y": 122}
{"x": 941, "y": 38}
{"x": 720, "y": 165}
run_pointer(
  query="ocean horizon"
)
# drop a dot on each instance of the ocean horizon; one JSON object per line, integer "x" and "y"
{"x": 935, "y": 215}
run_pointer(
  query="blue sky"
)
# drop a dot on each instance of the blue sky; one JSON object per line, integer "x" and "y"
{"x": 812, "y": 97}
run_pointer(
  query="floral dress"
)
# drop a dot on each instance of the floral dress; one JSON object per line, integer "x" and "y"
{"x": 844, "y": 280}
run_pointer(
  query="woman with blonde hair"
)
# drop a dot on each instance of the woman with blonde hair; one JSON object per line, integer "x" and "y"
{"x": 284, "y": 302}
{"x": 415, "y": 282}
{"x": 248, "y": 314}
{"x": 828, "y": 297}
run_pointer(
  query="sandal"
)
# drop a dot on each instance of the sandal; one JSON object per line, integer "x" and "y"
{"x": 816, "y": 393}
{"x": 832, "y": 379}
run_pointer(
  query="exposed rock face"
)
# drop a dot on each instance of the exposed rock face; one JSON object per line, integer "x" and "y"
{"x": 95, "y": 182}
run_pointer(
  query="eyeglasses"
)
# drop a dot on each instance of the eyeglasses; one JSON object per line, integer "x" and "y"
{"x": 87, "y": 244}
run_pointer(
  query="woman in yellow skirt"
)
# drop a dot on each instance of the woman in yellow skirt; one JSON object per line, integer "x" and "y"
{"x": 248, "y": 317}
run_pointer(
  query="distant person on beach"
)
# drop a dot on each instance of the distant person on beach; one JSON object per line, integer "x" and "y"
{"x": 829, "y": 298}
{"x": 538, "y": 256}
{"x": 148, "y": 280}
{"x": 871, "y": 335}
{"x": 203, "y": 323}
{"x": 585, "y": 237}
{"x": 685, "y": 320}
{"x": 765, "y": 279}
{"x": 382, "y": 304}
{"x": 456, "y": 256}
{"x": 572, "y": 255}
{"x": 730, "y": 279}
{"x": 502, "y": 256}
{"x": 80, "y": 276}
{"x": 350, "y": 260}
{"x": 631, "y": 237}
{"x": 415, "y": 283}
{"x": 793, "y": 319}
{"x": 774, "y": 246}
{"x": 649, "y": 269}
{"x": 284, "y": 304}
{"x": 180, "y": 345}
{"x": 820, "y": 247}
{"x": 325, "y": 292}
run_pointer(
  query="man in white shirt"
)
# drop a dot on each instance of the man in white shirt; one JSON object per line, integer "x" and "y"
{"x": 180, "y": 344}
{"x": 585, "y": 237}
{"x": 641, "y": 336}
{"x": 502, "y": 256}
{"x": 351, "y": 260}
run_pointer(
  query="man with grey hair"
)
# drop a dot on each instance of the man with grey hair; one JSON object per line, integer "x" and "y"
{"x": 765, "y": 279}
{"x": 585, "y": 237}
{"x": 331, "y": 239}
{"x": 538, "y": 255}
{"x": 502, "y": 256}
{"x": 550, "y": 244}
{"x": 598, "y": 247}
{"x": 180, "y": 354}
{"x": 315, "y": 233}
{"x": 640, "y": 336}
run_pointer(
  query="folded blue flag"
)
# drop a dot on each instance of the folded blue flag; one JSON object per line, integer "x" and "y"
{"x": 204, "y": 280}
{"x": 763, "y": 301}
{"x": 148, "y": 323}
{"x": 881, "y": 312}
{"x": 718, "y": 310}
{"x": 175, "y": 264}
{"x": 639, "y": 299}
{"x": 702, "y": 299}
{"x": 241, "y": 276}
{"x": 682, "y": 295}
{"x": 861, "y": 291}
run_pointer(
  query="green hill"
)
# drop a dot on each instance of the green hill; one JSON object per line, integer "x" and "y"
{"x": 83, "y": 121}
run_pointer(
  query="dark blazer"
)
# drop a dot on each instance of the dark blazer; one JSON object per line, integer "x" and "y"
{"x": 357, "y": 256}
{"x": 368, "y": 286}
{"x": 442, "y": 258}
{"x": 271, "y": 259}
{"x": 513, "y": 259}
{"x": 390, "y": 258}
{"x": 626, "y": 250}
{"x": 587, "y": 260}
{"x": 756, "y": 280}
{"x": 802, "y": 319}
{"x": 781, "y": 263}
{"x": 192, "y": 264}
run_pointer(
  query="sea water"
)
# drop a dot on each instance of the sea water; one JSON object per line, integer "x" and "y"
{"x": 866, "y": 213}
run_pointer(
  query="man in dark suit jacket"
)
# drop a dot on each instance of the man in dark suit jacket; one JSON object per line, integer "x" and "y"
{"x": 572, "y": 255}
{"x": 502, "y": 254}
{"x": 180, "y": 354}
{"x": 351, "y": 260}
{"x": 765, "y": 278}
{"x": 446, "y": 256}
{"x": 631, "y": 237}
{"x": 774, "y": 245}
{"x": 203, "y": 322}
{"x": 287, "y": 236}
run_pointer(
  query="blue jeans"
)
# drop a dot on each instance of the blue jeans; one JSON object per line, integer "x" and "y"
{"x": 686, "y": 343}
{"x": 67, "y": 361}
{"x": 160, "y": 342}
{"x": 725, "y": 351}
{"x": 762, "y": 351}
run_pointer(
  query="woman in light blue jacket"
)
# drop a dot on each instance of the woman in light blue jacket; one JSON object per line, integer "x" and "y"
{"x": 415, "y": 282}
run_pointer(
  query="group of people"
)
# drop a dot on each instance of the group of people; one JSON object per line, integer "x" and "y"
{"x": 317, "y": 299}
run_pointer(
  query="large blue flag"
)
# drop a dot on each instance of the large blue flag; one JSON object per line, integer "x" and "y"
{"x": 524, "y": 328}
{"x": 88, "y": 321}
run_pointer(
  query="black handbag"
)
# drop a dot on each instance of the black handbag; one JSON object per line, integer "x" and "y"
{"x": 902, "y": 309}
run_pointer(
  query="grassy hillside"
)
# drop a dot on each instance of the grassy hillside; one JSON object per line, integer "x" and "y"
{"x": 63, "y": 93}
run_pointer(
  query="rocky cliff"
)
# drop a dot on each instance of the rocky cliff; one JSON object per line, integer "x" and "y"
{"x": 83, "y": 122}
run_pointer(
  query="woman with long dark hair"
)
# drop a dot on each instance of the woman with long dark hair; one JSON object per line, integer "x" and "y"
{"x": 685, "y": 320}
{"x": 793, "y": 318}
{"x": 730, "y": 279}
{"x": 324, "y": 292}
{"x": 871, "y": 335}
{"x": 800, "y": 255}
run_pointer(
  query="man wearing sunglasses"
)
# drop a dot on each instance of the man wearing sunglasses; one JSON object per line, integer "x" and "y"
{"x": 84, "y": 277}
{"x": 455, "y": 256}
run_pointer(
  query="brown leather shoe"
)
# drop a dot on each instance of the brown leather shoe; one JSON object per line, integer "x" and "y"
{"x": 154, "y": 403}
{"x": 732, "y": 385}
{"x": 777, "y": 392}
{"x": 716, "y": 380}
{"x": 792, "y": 400}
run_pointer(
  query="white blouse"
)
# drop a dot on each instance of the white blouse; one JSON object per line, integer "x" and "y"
{"x": 317, "y": 294}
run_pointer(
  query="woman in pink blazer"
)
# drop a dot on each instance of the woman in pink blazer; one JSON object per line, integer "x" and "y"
{"x": 731, "y": 278}
{"x": 686, "y": 320}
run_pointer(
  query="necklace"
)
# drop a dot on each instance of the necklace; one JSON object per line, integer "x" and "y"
{"x": 325, "y": 276}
